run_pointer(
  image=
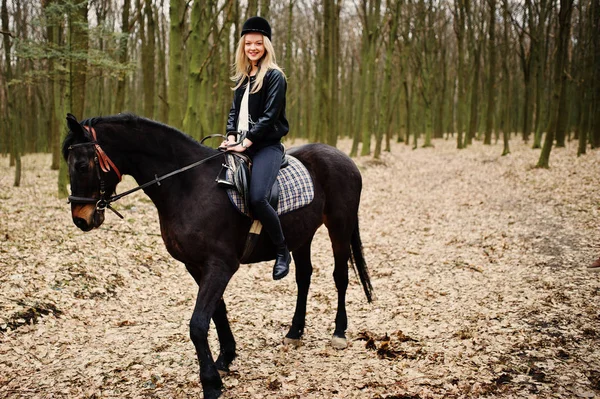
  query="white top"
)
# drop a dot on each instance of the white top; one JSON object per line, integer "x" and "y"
{"x": 243, "y": 116}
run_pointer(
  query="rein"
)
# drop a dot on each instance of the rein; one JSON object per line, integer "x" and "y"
{"x": 104, "y": 163}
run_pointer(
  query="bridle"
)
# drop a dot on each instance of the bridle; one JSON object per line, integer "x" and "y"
{"x": 104, "y": 165}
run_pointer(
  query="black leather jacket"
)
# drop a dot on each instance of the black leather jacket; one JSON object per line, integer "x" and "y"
{"x": 267, "y": 124}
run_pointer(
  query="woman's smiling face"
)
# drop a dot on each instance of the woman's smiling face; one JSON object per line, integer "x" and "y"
{"x": 254, "y": 47}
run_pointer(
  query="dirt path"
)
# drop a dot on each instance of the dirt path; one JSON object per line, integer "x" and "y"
{"x": 477, "y": 262}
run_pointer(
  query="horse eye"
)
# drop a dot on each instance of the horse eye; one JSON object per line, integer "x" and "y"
{"x": 82, "y": 166}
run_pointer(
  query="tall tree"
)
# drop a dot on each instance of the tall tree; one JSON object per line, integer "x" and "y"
{"x": 252, "y": 8}
{"x": 161, "y": 73}
{"x": 538, "y": 24}
{"x": 560, "y": 111}
{"x": 177, "y": 17}
{"x": 148, "y": 43}
{"x": 370, "y": 15}
{"x": 564, "y": 20}
{"x": 333, "y": 130}
{"x": 460, "y": 23}
{"x": 327, "y": 74}
{"x": 14, "y": 137}
{"x": 595, "y": 73}
{"x": 78, "y": 41}
{"x": 54, "y": 32}
{"x": 387, "y": 107}
{"x": 265, "y": 9}
{"x": 119, "y": 104}
{"x": 476, "y": 42}
{"x": 205, "y": 15}
{"x": 506, "y": 98}
{"x": 525, "y": 49}
{"x": 491, "y": 86}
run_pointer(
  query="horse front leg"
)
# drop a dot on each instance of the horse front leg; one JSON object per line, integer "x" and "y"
{"x": 226, "y": 340}
{"x": 211, "y": 286}
{"x": 303, "y": 277}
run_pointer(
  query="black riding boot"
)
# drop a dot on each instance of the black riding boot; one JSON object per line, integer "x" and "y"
{"x": 282, "y": 262}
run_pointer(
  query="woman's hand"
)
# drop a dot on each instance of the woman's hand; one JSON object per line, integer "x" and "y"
{"x": 230, "y": 140}
{"x": 241, "y": 147}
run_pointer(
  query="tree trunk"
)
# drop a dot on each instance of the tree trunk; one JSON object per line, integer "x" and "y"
{"x": 4, "y": 130}
{"x": 252, "y": 8}
{"x": 475, "y": 47}
{"x": 147, "y": 39}
{"x": 526, "y": 64}
{"x": 474, "y": 112}
{"x": 388, "y": 106}
{"x": 561, "y": 114}
{"x": 506, "y": 98}
{"x": 119, "y": 105}
{"x": 595, "y": 81}
{"x": 79, "y": 43}
{"x": 194, "y": 123}
{"x": 441, "y": 98}
{"x": 13, "y": 132}
{"x": 564, "y": 19}
{"x": 408, "y": 108}
{"x": 334, "y": 63}
{"x": 538, "y": 49}
{"x": 323, "y": 71}
{"x": 161, "y": 39}
{"x": 371, "y": 30}
{"x": 176, "y": 69}
{"x": 491, "y": 106}
{"x": 265, "y": 9}
{"x": 459, "y": 30}
{"x": 57, "y": 93}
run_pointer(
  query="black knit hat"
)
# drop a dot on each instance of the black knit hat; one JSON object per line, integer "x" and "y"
{"x": 257, "y": 24}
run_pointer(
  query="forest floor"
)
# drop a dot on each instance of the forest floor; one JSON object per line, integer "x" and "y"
{"x": 478, "y": 264}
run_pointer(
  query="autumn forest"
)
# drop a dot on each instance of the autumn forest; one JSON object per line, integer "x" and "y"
{"x": 375, "y": 71}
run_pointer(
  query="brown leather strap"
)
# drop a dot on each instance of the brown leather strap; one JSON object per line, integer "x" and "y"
{"x": 105, "y": 162}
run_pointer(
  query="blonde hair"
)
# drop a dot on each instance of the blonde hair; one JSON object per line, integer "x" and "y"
{"x": 242, "y": 66}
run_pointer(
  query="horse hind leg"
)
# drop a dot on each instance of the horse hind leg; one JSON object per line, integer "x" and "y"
{"x": 303, "y": 277}
{"x": 340, "y": 276}
{"x": 227, "y": 352}
{"x": 340, "y": 242}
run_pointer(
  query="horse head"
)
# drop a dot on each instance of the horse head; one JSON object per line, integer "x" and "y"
{"x": 93, "y": 176}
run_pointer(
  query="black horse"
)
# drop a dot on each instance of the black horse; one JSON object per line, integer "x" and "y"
{"x": 201, "y": 228}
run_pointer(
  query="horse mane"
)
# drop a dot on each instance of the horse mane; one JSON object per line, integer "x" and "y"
{"x": 131, "y": 121}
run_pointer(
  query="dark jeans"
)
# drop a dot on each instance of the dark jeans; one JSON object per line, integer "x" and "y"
{"x": 265, "y": 167}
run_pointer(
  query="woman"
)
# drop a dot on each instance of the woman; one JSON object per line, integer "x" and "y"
{"x": 259, "y": 109}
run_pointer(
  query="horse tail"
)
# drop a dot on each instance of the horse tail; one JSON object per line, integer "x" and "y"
{"x": 358, "y": 263}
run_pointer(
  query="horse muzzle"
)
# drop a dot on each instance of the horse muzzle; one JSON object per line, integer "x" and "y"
{"x": 87, "y": 217}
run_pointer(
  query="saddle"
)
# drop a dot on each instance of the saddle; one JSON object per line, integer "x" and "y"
{"x": 292, "y": 190}
{"x": 236, "y": 173}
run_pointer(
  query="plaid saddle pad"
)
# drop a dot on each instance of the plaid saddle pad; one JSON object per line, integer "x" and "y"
{"x": 296, "y": 189}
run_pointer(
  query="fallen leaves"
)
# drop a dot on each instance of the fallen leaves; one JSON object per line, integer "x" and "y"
{"x": 29, "y": 315}
{"x": 478, "y": 264}
{"x": 386, "y": 347}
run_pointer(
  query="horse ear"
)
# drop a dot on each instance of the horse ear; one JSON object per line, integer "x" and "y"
{"x": 73, "y": 125}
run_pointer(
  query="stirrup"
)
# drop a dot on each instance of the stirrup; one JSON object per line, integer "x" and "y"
{"x": 222, "y": 180}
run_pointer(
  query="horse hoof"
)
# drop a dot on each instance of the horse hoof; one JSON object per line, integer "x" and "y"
{"x": 212, "y": 393}
{"x": 292, "y": 342}
{"x": 339, "y": 343}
